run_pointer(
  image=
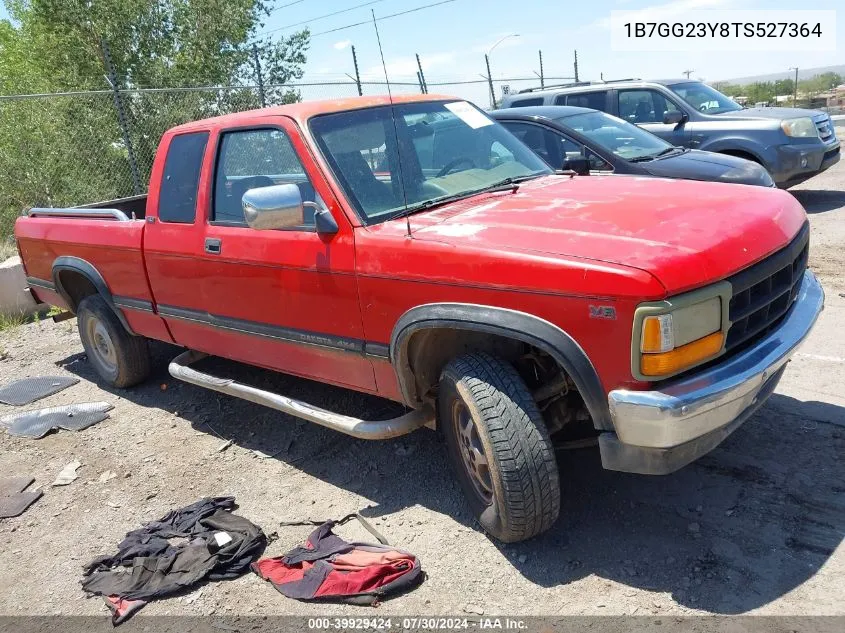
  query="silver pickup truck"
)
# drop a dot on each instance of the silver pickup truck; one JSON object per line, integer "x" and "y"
{"x": 791, "y": 143}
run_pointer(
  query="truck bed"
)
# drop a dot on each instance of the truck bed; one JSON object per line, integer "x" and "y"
{"x": 54, "y": 243}
{"x": 132, "y": 205}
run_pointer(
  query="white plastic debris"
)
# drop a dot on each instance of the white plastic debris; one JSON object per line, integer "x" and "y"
{"x": 68, "y": 474}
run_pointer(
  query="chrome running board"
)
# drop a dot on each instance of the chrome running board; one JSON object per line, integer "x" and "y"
{"x": 362, "y": 429}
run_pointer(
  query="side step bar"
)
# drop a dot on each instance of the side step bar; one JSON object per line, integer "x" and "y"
{"x": 362, "y": 429}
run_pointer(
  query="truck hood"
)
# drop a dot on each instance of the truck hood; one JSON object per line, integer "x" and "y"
{"x": 685, "y": 233}
{"x": 774, "y": 114}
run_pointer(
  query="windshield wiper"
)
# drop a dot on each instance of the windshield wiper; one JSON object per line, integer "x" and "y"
{"x": 506, "y": 184}
{"x": 663, "y": 152}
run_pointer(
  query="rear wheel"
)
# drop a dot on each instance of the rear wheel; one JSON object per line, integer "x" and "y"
{"x": 121, "y": 359}
{"x": 499, "y": 447}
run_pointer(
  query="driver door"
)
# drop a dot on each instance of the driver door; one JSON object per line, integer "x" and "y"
{"x": 281, "y": 299}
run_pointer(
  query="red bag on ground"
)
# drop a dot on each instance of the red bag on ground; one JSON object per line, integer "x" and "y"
{"x": 326, "y": 567}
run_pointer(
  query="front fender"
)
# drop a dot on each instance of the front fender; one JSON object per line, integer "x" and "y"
{"x": 739, "y": 144}
{"x": 507, "y": 323}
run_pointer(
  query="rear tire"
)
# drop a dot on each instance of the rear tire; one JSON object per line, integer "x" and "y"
{"x": 121, "y": 359}
{"x": 499, "y": 447}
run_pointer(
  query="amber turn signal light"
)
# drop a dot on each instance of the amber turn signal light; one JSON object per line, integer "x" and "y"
{"x": 681, "y": 357}
{"x": 658, "y": 334}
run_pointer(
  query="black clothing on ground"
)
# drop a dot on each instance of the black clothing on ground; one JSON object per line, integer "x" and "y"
{"x": 202, "y": 541}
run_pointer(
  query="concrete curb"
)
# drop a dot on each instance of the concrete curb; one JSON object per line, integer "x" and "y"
{"x": 14, "y": 298}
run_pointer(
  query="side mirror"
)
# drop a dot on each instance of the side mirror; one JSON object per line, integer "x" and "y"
{"x": 674, "y": 118}
{"x": 579, "y": 164}
{"x": 275, "y": 207}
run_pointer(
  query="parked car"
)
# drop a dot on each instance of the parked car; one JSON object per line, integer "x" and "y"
{"x": 501, "y": 303}
{"x": 791, "y": 143}
{"x": 583, "y": 139}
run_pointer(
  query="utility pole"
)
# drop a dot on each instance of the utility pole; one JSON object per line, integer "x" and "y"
{"x": 121, "y": 118}
{"x": 258, "y": 75}
{"x": 688, "y": 73}
{"x": 795, "y": 87}
{"x": 576, "y": 65}
{"x": 423, "y": 85}
{"x": 542, "y": 82}
{"x": 490, "y": 82}
{"x": 487, "y": 61}
{"x": 357, "y": 75}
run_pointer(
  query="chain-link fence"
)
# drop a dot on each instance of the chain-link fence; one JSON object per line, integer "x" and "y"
{"x": 80, "y": 147}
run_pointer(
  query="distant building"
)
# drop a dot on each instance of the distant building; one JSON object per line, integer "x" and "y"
{"x": 833, "y": 98}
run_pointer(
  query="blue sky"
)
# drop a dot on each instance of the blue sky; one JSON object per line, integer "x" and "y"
{"x": 452, "y": 38}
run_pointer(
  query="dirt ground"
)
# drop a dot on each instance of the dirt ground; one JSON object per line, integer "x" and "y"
{"x": 755, "y": 527}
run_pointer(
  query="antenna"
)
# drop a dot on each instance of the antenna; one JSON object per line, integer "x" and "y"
{"x": 393, "y": 118}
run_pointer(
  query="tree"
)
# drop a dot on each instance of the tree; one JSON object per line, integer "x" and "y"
{"x": 70, "y": 150}
{"x": 163, "y": 43}
{"x": 731, "y": 90}
{"x": 784, "y": 87}
{"x": 819, "y": 83}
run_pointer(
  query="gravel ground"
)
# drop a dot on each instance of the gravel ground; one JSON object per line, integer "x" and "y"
{"x": 755, "y": 527}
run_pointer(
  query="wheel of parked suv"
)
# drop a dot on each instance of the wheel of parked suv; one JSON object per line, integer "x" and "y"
{"x": 120, "y": 358}
{"x": 499, "y": 447}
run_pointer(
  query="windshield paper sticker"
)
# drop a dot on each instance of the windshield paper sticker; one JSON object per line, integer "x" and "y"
{"x": 469, "y": 115}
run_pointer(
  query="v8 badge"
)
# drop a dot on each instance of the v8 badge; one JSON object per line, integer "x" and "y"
{"x": 603, "y": 312}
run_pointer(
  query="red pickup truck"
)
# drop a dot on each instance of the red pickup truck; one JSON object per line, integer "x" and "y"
{"x": 448, "y": 268}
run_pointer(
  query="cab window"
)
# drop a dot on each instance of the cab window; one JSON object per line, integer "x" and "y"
{"x": 251, "y": 159}
{"x": 177, "y": 200}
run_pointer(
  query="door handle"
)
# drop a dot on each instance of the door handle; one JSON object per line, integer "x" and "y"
{"x": 212, "y": 245}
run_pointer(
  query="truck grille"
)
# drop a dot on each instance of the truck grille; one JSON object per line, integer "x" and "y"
{"x": 825, "y": 128}
{"x": 763, "y": 293}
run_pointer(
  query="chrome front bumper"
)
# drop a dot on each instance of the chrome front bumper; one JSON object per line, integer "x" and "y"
{"x": 658, "y": 432}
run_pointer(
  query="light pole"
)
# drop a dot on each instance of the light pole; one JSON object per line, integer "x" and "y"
{"x": 487, "y": 61}
{"x": 795, "y": 87}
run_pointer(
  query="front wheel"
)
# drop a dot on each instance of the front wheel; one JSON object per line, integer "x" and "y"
{"x": 499, "y": 447}
{"x": 121, "y": 359}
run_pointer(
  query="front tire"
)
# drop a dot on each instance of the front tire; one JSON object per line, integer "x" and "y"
{"x": 121, "y": 359}
{"x": 499, "y": 447}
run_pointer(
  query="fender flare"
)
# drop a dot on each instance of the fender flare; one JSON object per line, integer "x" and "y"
{"x": 731, "y": 146}
{"x": 87, "y": 270}
{"x": 504, "y": 322}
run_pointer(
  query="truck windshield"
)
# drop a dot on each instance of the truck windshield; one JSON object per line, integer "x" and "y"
{"x": 704, "y": 98}
{"x": 620, "y": 137}
{"x": 389, "y": 165}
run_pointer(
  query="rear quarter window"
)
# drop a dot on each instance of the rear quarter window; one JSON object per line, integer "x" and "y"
{"x": 594, "y": 100}
{"x": 524, "y": 103}
{"x": 177, "y": 201}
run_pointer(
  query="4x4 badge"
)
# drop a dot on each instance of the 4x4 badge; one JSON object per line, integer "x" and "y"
{"x": 603, "y": 312}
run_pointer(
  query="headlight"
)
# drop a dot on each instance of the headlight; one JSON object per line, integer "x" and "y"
{"x": 673, "y": 335}
{"x": 750, "y": 174}
{"x": 799, "y": 128}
